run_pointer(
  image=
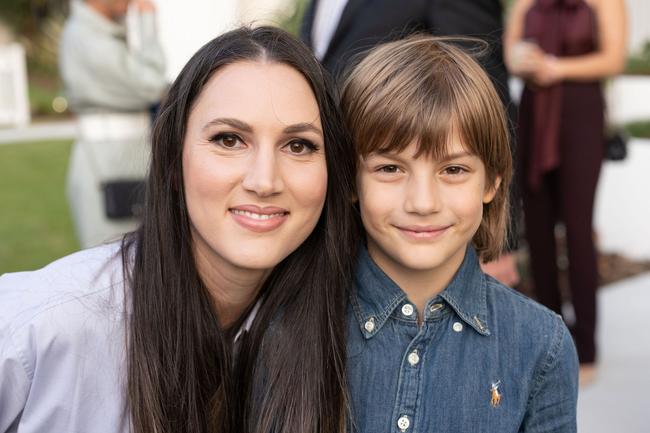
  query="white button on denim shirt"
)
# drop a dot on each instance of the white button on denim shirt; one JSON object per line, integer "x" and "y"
{"x": 440, "y": 376}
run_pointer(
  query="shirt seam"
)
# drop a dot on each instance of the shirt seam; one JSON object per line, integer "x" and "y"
{"x": 549, "y": 361}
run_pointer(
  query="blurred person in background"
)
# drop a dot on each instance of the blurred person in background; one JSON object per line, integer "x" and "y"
{"x": 338, "y": 30}
{"x": 563, "y": 49}
{"x": 111, "y": 83}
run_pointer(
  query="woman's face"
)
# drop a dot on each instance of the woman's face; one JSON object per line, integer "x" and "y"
{"x": 254, "y": 168}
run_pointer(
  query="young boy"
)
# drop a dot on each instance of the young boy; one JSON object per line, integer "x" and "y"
{"x": 433, "y": 343}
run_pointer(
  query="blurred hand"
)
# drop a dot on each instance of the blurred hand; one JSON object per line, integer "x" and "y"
{"x": 503, "y": 269}
{"x": 144, "y": 6}
{"x": 547, "y": 72}
{"x": 526, "y": 59}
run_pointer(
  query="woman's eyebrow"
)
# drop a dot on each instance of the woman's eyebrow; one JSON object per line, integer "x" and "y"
{"x": 235, "y": 123}
{"x": 243, "y": 126}
{"x": 302, "y": 127}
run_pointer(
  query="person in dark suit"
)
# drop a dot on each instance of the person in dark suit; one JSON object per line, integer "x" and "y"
{"x": 340, "y": 30}
{"x": 347, "y": 28}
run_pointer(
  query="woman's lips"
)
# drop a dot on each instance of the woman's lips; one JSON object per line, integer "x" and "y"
{"x": 259, "y": 219}
{"x": 422, "y": 232}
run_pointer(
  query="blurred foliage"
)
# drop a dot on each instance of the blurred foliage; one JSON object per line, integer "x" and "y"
{"x": 37, "y": 26}
{"x": 639, "y": 64}
{"x": 25, "y": 17}
{"x": 35, "y": 224}
{"x": 639, "y": 129}
{"x": 292, "y": 22}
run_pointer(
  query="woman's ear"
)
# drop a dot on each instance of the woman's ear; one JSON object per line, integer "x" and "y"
{"x": 491, "y": 190}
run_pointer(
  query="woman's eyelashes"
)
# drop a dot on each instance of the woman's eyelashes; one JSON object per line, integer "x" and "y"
{"x": 301, "y": 146}
{"x": 227, "y": 141}
{"x": 297, "y": 146}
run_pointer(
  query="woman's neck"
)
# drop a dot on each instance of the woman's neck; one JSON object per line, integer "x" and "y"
{"x": 231, "y": 288}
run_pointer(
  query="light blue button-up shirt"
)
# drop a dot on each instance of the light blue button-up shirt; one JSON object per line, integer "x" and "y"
{"x": 485, "y": 358}
{"x": 62, "y": 346}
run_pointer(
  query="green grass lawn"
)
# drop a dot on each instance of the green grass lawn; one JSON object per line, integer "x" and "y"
{"x": 639, "y": 129}
{"x": 35, "y": 224}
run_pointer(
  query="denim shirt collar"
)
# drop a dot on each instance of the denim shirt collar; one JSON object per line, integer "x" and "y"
{"x": 375, "y": 296}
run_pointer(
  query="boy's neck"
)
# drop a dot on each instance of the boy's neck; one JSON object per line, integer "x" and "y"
{"x": 420, "y": 285}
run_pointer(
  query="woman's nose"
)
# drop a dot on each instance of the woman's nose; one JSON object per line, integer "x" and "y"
{"x": 263, "y": 175}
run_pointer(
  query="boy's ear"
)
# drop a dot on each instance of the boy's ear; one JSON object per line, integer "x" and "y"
{"x": 491, "y": 190}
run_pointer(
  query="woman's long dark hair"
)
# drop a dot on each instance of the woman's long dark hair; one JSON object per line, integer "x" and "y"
{"x": 289, "y": 375}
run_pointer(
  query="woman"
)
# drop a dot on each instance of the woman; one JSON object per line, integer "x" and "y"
{"x": 246, "y": 218}
{"x": 563, "y": 49}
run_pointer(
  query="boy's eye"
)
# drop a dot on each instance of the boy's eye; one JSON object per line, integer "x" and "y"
{"x": 228, "y": 141}
{"x": 300, "y": 147}
{"x": 455, "y": 170}
{"x": 388, "y": 169}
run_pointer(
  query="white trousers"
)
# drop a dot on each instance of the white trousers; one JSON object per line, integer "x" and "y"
{"x": 110, "y": 146}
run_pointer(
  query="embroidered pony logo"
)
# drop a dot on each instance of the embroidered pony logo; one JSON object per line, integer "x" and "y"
{"x": 495, "y": 399}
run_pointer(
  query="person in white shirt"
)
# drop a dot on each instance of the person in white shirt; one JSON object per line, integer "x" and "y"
{"x": 101, "y": 71}
{"x": 225, "y": 310}
{"x": 112, "y": 82}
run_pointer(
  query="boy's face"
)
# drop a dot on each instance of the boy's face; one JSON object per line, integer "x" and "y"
{"x": 420, "y": 214}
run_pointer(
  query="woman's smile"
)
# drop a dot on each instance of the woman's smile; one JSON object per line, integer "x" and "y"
{"x": 259, "y": 219}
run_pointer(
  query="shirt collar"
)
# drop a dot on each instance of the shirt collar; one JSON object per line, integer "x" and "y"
{"x": 375, "y": 295}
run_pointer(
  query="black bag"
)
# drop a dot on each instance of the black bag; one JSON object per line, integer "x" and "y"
{"x": 616, "y": 146}
{"x": 123, "y": 199}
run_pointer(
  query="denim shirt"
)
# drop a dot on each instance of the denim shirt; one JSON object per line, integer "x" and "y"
{"x": 485, "y": 358}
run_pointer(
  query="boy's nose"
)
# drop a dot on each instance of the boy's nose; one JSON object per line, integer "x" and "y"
{"x": 422, "y": 196}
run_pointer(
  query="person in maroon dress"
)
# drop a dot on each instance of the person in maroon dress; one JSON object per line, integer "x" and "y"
{"x": 563, "y": 49}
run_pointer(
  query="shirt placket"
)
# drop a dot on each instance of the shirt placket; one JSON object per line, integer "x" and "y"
{"x": 410, "y": 376}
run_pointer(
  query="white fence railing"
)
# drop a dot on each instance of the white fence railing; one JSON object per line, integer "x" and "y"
{"x": 14, "y": 101}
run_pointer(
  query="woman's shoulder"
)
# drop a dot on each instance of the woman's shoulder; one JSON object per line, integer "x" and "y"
{"x": 88, "y": 280}
{"x": 62, "y": 335}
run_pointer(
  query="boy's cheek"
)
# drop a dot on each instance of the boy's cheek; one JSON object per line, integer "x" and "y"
{"x": 375, "y": 202}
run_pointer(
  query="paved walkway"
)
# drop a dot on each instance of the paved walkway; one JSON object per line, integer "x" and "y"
{"x": 619, "y": 400}
{"x": 59, "y": 130}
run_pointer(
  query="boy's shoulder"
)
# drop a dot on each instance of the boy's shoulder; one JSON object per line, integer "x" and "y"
{"x": 513, "y": 311}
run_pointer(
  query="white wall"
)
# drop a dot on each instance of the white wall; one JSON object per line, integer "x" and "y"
{"x": 14, "y": 101}
{"x": 639, "y": 19}
{"x": 185, "y": 26}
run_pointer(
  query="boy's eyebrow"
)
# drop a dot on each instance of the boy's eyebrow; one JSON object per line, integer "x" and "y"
{"x": 394, "y": 155}
{"x": 456, "y": 155}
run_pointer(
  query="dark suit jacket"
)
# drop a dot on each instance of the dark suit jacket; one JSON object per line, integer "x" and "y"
{"x": 365, "y": 23}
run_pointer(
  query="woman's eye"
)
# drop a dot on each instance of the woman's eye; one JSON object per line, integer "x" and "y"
{"x": 301, "y": 147}
{"x": 228, "y": 141}
{"x": 388, "y": 169}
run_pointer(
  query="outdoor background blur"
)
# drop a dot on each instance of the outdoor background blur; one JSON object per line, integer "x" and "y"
{"x": 37, "y": 131}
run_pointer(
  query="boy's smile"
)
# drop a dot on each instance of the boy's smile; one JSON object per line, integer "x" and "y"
{"x": 420, "y": 213}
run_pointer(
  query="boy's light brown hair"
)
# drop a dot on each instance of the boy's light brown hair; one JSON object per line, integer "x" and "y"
{"x": 423, "y": 88}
